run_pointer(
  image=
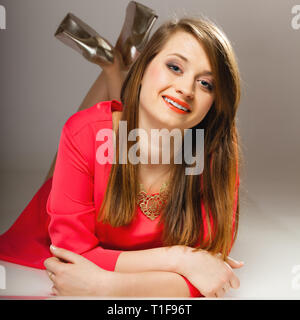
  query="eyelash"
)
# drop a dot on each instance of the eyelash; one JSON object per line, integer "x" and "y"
{"x": 170, "y": 65}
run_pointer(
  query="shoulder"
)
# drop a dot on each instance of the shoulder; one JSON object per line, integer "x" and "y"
{"x": 99, "y": 115}
{"x": 80, "y": 130}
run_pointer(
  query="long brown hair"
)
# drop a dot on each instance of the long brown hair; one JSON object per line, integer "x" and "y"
{"x": 216, "y": 186}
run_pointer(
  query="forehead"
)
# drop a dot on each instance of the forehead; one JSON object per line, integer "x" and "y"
{"x": 187, "y": 45}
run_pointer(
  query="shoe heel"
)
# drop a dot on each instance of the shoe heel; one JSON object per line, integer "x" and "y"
{"x": 135, "y": 32}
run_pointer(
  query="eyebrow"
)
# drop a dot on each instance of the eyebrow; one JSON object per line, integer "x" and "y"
{"x": 204, "y": 73}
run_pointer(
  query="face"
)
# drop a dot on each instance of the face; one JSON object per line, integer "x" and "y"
{"x": 177, "y": 86}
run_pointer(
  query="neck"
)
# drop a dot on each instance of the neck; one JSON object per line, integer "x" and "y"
{"x": 152, "y": 147}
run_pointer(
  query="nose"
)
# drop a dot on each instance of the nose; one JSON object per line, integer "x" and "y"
{"x": 185, "y": 87}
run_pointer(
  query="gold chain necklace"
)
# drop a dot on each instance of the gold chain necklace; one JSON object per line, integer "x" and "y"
{"x": 152, "y": 205}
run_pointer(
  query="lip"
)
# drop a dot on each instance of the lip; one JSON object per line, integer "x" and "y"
{"x": 184, "y": 104}
{"x": 169, "y": 105}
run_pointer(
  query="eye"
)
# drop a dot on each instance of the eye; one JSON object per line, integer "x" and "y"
{"x": 173, "y": 67}
{"x": 207, "y": 85}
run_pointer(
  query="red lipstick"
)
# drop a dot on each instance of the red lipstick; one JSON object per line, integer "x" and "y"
{"x": 182, "y": 103}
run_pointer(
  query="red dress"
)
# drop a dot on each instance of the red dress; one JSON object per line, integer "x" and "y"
{"x": 63, "y": 211}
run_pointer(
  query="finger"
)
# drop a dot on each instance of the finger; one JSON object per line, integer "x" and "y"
{"x": 65, "y": 255}
{"x": 51, "y": 275}
{"x": 54, "y": 291}
{"x": 226, "y": 287}
{"x": 220, "y": 293}
{"x": 234, "y": 282}
{"x": 234, "y": 263}
{"x": 218, "y": 255}
{"x": 52, "y": 264}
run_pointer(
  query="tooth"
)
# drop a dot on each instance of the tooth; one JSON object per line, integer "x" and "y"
{"x": 176, "y": 104}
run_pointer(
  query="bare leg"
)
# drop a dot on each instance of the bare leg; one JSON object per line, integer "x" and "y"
{"x": 98, "y": 92}
{"x": 106, "y": 87}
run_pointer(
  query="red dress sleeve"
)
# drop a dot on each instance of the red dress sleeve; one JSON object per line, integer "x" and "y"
{"x": 194, "y": 292}
{"x": 71, "y": 206}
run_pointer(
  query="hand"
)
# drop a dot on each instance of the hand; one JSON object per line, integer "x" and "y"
{"x": 74, "y": 275}
{"x": 211, "y": 275}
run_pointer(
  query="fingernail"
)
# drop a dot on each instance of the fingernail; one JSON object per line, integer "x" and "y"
{"x": 52, "y": 247}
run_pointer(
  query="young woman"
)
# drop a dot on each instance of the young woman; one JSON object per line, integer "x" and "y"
{"x": 113, "y": 238}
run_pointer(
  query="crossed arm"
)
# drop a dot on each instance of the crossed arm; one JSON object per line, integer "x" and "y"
{"x": 153, "y": 272}
{"x": 134, "y": 276}
{"x": 137, "y": 273}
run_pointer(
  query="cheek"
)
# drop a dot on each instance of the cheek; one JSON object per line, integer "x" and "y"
{"x": 209, "y": 100}
{"x": 157, "y": 78}
{"x": 209, "y": 104}
{"x": 204, "y": 107}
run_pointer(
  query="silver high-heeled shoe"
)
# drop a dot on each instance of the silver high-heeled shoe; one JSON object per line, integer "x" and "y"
{"x": 78, "y": 35}
{"x": 134, "y": 35}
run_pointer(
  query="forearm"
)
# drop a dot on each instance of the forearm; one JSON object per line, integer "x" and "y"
{"x": 169, "y": 262}
{"x": 156, "y": 259}
{"x": 148, "y": 284}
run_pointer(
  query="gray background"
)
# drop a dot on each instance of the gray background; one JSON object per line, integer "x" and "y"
{"x": 43, "y": 83}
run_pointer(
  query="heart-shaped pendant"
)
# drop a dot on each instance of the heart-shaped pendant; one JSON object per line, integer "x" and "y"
{"x": 153, "y": 204}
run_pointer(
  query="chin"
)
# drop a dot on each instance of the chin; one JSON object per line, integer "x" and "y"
{"x": 170, "y": 121}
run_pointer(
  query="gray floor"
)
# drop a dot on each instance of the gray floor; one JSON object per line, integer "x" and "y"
{"x": 268, "y": 242}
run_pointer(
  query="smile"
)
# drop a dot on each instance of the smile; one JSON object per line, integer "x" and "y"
{"x": 175, "y": 106}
